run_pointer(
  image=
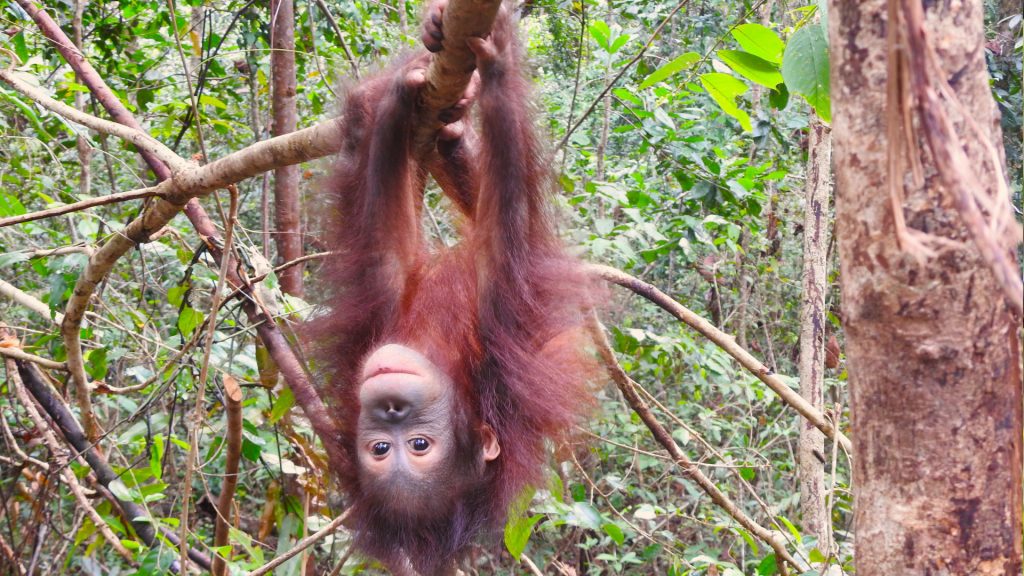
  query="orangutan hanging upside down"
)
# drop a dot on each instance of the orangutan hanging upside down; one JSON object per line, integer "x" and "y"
{"x": 450, "y": 368}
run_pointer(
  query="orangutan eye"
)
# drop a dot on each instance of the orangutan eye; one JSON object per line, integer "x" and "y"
{"x": 381, "y": 448}
{"x": 419, "y": 444}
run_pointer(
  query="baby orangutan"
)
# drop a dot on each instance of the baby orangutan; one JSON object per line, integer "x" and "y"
{"x": 450, "y": 368}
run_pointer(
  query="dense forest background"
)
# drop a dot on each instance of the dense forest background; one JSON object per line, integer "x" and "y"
{"x": 682, "y": 135}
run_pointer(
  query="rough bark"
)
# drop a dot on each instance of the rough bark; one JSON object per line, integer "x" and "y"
{"x": 287, "y": 209}
{"x": 932, "y": 347}
{"x": 811, "y": 446}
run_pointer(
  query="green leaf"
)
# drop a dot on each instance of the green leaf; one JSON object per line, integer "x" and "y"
{"x": 208, "y": 100}
{"x": 779, "y": 97}
{"x": 768, "y": 566}
{"x": 579, "y": 492}
{"x": 96, "y": 363}
{"x": 748, "y": 538}
{"x": 724, "y": 89}
{"x": 678, "y": 63}
{"x": 628, "y": 96}
{"x": 613, "y": 530}
{"x": 586, "y": 516}
{"x": 792, "y": 529}
{"x": 618, "y": 43}
{"x": 119, "y": 490}
{"x": 222, "y": 551}
{"x": 251, "y": 450}
{"x": 752, "y": 68}
{"x": 747, "y": 473}
{"x": 175, "y": 295}
{"x": 759, "y": 41}
{"x": 805, "y": 68}
{"x": 10, "y": 205}
{"x": 517, "y": 533}
{"x": 284, "y": 402}
{"x": 20, "y": 48}
{"x": 11, "y": 258}
{"x": 188, "y": 320}
{"x": 599, "y": 30}
{"x": 156, "y": 455}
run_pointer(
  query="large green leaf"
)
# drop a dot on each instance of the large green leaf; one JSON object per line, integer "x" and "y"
{"x": 677, "y": 64}
{"x": 759, "y": 41}
{"x": 724, "y": 89}
{"x": 752, "y": 67}
{"x": 601, "y": 33}
{"x": 805, "y": 68}
{"x": 518, "y": 531}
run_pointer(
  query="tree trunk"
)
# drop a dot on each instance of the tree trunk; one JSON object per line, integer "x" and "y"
{"x": 287, "y": 210}
{"x": 935, "y": 390}
{"x": 811, "y": 447}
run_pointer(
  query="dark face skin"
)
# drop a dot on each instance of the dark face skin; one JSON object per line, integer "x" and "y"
{"x": 406, "y": 413}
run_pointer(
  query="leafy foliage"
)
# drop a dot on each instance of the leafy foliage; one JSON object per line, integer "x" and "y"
{"x": 689, "y": 177}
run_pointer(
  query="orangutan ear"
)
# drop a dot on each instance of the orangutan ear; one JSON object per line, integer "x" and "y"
{"x": 490, "y": 449}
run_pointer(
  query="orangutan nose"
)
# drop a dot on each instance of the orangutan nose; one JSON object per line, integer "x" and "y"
{"x": 393, "y": 411}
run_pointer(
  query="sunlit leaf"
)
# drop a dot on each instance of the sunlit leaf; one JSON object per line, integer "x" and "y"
{"x": 759, "y": 41}
{"x": 599, "y": 30}
{"x": 678, "y": 63}
{"x": 724, "y": 89}
{"x": 752, "y": 68}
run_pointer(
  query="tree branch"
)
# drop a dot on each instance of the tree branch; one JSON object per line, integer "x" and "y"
{"x": 79, "y": 206}
{"x": 727, "y": 343}
{"x": 57, "y": 452}
{"x": 19, "y": 354}
{"x": 72, "y": 432}
{"x": 300, "y": 546}
{"x": 29, "y": 301}
{"x": 628, "y": 388}
{"x": 134, "y": 135}
{"x": 233, "y": 432}
{"x": 451, "y": 69}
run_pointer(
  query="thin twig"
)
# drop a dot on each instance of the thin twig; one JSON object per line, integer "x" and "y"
{"x": 19, "y": 354}
{"x": 728, "y": 344}
{"x": 689, "y": 468}
{"x": 529, "y": 564}
{"x": 300, "y": 546}
{"x": 80, "y": 205}
{"x": 199, "y": 410}
{"x": 341, "y": 561}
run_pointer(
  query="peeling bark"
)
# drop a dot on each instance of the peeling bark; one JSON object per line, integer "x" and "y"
{"x": 935, "y": 383}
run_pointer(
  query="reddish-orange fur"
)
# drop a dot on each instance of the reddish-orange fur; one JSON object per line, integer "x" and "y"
{"x": 491, "y": 312}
